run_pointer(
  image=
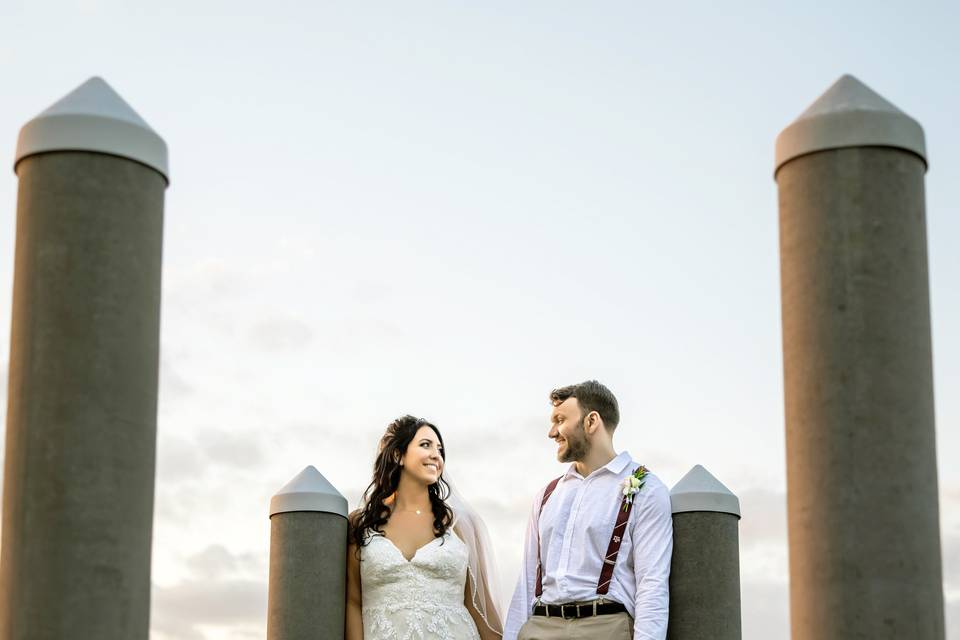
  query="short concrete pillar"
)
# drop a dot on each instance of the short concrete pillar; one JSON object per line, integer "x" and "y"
{"x": 863, "y": 518}
{"x": 308, "y": 560}
{"x": 84, "y": 357}
{"x": 705, "y": 572}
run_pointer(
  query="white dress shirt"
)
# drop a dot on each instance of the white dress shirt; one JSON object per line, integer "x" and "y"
{"x": 574, "y": 532}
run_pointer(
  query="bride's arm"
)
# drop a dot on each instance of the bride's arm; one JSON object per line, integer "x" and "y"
{"x": 486, "y": 633}
{"x": 354, "y": 626}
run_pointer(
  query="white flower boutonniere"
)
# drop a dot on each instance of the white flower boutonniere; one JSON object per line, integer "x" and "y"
{"x": 632, "y": 484}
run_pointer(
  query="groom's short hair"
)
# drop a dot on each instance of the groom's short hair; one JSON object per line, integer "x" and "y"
{"x": 591, "y": 396}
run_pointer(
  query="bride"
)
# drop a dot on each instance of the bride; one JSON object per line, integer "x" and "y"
{"x": 419, "y": 565}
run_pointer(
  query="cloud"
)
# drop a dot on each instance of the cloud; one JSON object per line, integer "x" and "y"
{"x": 185, "y": 609}
{"x": 236, "y": 450}
{"x": 196, "y": 285}
{"x": 764, "y": 517}
{"x": 951, "y": 560}
{"x": 765, "y": 607}
{"x": 216, "y": 562}
{"x": 281, "y": 334}
{"x": 223, "y": 592}
{"x": 371, "y": 291}
{"x": 195, "y": 471}
{"x": 309, "y": 432}
{"x": 952, "y": 606}
{"x": 172, "y": 385}
{"x": 177, "y": 459}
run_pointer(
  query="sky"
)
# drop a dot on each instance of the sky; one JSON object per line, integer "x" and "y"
{"x": 448, "y": 209}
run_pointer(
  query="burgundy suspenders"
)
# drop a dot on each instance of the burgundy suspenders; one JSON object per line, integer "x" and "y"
{"x": 546, "y": 495}
{"x": 613, "y": 549}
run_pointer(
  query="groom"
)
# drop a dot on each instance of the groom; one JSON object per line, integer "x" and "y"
{"x": 596, "y": 559}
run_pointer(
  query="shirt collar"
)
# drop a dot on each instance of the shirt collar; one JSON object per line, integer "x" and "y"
{"x": 618, "y": 464}
{"x": 615, "y": 466}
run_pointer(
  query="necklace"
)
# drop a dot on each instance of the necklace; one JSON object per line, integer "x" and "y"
{"x": 416, "y": 511}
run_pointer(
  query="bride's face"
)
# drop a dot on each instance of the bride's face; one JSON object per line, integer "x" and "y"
{"x": 423, "y": 460}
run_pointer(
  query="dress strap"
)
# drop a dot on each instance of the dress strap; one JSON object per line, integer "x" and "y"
{"x": 546, "y": 495}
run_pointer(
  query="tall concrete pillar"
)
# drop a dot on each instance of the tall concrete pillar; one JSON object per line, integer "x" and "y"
{"x": 308, "y": 560}
{"x": 705, "y": 570}
{"x": 82, "y": 408}
{"x": 861, "y": 454}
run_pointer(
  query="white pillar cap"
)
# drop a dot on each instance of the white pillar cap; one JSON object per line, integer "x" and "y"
{"x": 700, "y": 491}
{"x": 93, "y": 117}
{"x": 308, "y": 491}
{"x": 849, "y": 114}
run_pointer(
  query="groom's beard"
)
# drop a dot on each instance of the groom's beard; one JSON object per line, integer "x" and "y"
{"x": 577, "y": 445}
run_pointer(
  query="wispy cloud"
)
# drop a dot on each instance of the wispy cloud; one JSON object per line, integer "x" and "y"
{"x": 220, "y": 591}
{"x": 173, "y": 386}
{"x": 764, "y": 518}
{"x": 280, "y": 334}
{"x": 765, "y": 608}
{"x": 232, "y": 449}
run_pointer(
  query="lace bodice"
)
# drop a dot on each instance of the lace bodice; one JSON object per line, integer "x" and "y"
{"x": 419, "y": 599}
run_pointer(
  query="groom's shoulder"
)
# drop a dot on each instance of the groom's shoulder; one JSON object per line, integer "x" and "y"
{"x": 656, "y": 494}
{"x": 542, "y": 490}
{"x": 651, "y": 480}
{"x": 550, "y": 484}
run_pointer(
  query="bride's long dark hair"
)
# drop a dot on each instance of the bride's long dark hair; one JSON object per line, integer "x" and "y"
{"x": 373, "y": 515}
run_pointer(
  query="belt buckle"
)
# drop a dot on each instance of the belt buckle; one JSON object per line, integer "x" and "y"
{"x": 563, "y": 611}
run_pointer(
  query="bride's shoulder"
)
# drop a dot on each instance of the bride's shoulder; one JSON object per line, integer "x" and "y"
{"x": 353, "y": 521}
{"x": 368, "y": 533}
{"x": 455, "y": 532}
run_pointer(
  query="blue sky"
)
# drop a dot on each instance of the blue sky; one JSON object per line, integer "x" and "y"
{"x": 448, "y": 209}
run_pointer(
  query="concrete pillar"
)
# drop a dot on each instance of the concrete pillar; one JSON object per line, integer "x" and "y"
{"x": 705, "y": 571}
{"x": 862, "y": 507}
{"x": 308, "y": 560}
{"x": 82, "y": 412}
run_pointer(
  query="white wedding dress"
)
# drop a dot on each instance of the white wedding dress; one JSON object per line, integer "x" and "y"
{"x": 419, "y": 599}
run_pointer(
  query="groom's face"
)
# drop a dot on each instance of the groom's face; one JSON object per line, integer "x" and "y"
{"x": 566, "y": 429}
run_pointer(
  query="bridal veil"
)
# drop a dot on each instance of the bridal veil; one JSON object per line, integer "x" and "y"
{"x": 481, "y": 569}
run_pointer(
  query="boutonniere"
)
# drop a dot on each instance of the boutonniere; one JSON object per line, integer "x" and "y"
{"x": 632, "y": 484}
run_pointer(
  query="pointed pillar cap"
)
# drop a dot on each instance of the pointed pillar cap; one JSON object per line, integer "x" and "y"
{"x": 700, "y": 491}
{"x": 93, "y": 117}
{"x": 308, "y": 491}
{"x": 849, "y": 114}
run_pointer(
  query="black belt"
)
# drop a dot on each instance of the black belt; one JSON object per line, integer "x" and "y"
{"x": 571, "y": 611}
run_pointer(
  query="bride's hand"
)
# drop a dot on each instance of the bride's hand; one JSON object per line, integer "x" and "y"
{"x": 486, "y": 633}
